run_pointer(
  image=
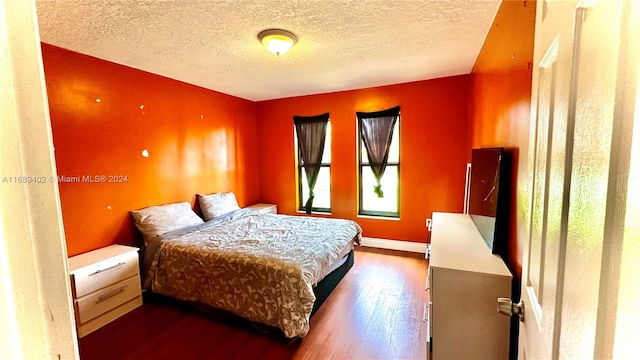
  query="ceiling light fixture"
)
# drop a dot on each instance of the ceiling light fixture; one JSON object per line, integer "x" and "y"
{"x": 277, "y": 41}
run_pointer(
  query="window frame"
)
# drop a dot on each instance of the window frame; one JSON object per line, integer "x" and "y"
{"x": 361, "y": 165}
{"x": 300, "y": 170}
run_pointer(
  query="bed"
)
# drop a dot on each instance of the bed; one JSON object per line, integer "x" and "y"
{"x": 270, "y": 269}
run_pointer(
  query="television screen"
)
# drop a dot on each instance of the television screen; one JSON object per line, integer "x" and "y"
{"x": 487, "y": 166}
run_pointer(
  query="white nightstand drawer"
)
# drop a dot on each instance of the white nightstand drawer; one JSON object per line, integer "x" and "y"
{"x": 109, "y": 316}
{"x": 99, "y": 302}
{"x": 265, "y": 208}
{"x": 104, "y": 273}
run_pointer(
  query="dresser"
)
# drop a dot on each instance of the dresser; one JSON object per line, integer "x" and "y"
{"x": 265, "y": 208}
{"x": 464, "y": 282}
{"x": 105, "y": 284}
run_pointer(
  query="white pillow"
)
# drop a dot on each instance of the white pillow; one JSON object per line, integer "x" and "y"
{"x": 215, "y": 205}
{"x": 157, "y": 220}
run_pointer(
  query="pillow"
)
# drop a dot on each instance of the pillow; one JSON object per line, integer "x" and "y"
{"x": 215, "y": 205}
{"x": 157, "y": 220}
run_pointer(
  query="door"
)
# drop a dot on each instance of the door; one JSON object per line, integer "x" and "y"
{"x": 579, "y": 282}
{"x": 36, "y": 307}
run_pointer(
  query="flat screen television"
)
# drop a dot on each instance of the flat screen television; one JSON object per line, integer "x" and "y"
{"x": 489, "y": 196}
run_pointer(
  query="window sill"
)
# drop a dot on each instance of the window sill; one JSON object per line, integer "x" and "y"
{"x": 372, "y": 217}
{"x": 302, "y": 212}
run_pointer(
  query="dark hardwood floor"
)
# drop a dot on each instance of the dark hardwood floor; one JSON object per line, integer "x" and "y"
{"x": 374, "y": 313}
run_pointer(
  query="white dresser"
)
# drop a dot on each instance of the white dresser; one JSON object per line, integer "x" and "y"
{"x": 105, "y": 284}
{"x": 465, "y": 279}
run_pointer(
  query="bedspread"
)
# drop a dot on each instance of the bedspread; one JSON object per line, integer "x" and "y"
{"x": 259, "y": 266}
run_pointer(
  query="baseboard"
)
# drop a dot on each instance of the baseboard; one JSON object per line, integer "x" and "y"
{"x": 394, "y": 245}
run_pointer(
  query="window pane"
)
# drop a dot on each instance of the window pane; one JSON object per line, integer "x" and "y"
{"x": 326, "y": 155}
{"x": 322, "y": 190}
{"x": 371, "y": 201}
{"x": 394, "y": 149}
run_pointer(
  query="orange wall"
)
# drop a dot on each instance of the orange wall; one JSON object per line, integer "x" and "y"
{"x": 500, "y": 101}
{"x": 433, "y": 151}
{"x": 198, "y": 140}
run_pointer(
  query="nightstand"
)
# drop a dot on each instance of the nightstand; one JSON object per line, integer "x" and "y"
{"x": 105, "y": 284}
{"x": 265, "y": 208}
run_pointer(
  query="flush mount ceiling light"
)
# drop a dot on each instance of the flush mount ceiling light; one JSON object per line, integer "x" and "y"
{"x": 277, "y": 41}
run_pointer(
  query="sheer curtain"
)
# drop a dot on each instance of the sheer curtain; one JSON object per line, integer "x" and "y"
{"x": 376, "y": 131}
{"x": 311, "y": 132}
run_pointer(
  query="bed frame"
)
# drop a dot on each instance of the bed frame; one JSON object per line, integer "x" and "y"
{"x": 324, "y": 288}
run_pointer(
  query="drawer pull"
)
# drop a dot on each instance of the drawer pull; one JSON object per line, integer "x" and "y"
{"x": 106, "y": 269}
{"x": 111, "y": 293}
{"x": 425, "y": 311}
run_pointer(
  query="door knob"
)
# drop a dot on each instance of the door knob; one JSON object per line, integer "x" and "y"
{"x": 507, "y": 307}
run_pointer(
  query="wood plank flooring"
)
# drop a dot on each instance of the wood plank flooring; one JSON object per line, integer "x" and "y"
{"x": 374, "y": 313}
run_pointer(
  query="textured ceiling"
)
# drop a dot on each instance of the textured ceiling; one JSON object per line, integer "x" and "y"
{"x": 342, "y": 45}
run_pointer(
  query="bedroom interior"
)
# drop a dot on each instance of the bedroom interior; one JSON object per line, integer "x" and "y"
{"x": 107, "y": 118}
{"x": 110, "y": 118}
{"x": 215, "y": 141}
{"x": 98, "y": 111}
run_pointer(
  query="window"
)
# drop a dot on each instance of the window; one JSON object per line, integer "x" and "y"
{"x": 379, "y": 163}
{"x": 313, "y": 135}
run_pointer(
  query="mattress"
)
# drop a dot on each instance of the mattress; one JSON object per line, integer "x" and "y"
{"x": 341, "y": 259}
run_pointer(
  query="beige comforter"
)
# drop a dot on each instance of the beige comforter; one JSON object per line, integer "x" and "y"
{"x": 259, "y": 266}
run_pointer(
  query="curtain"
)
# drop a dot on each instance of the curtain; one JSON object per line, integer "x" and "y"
{"x": 311, "y": 132}
{"x": 376, "y": 131}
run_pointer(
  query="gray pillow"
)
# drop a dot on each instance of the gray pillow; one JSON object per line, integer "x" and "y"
{"x": 218, "y": 204}
{"x": 153, "y": 221}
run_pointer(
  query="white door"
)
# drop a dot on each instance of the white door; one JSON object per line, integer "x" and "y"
{"x": 36, "y": 307}
{"x": 580, "y": 283}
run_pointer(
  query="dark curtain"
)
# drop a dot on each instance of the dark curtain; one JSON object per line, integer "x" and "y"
{"x": 311, "y": 132}
{"x": 376, "y": 130}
